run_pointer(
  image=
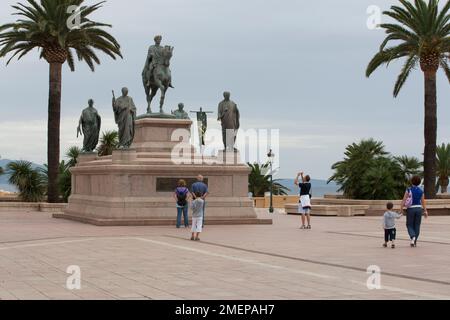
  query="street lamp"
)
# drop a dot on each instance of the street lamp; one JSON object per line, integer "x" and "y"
{"x": 271, "y": 157}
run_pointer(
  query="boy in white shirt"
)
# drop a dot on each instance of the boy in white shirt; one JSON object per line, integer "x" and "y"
{"x": 197, "y": 216}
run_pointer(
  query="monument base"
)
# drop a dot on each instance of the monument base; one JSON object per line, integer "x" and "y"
{"x": 135, "y": 186}
{"x": 87, "y": 156}
{"x": 124, "y": 155}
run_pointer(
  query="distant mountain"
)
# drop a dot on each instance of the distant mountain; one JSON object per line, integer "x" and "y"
{"x": 319, "y": 187}
{"x": 4, "y": 184}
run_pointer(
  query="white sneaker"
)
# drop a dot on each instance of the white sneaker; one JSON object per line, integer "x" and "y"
{"x": 413, "y": 242}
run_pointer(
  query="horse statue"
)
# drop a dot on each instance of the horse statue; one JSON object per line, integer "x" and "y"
{"x": 158, "y": 77}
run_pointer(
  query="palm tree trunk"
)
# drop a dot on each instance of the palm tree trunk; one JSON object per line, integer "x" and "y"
{"x": 54, "y": 118}
{"x": 430, "y": 134}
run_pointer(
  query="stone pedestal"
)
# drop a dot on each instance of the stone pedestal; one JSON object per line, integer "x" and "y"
{"x": 229, "y": 157}
{"x": 135, "y": 186}
{"x": 87, "y": 156}
{"x": 125, "y": 156}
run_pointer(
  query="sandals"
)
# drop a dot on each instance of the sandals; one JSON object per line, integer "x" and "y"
{"x": 384, "y": 245}
{"x": 302, "y": 227}
{"x": 393, "y": 246}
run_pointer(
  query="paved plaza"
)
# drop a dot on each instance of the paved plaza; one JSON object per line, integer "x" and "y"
{"x": 277, "y": 261}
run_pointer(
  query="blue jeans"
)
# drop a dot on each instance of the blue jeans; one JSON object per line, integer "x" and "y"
{"x": 413, "y": 221}
{"x": 183, "y": 211}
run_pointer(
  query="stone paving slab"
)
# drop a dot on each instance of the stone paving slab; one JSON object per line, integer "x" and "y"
{"x": 277, "y": 261}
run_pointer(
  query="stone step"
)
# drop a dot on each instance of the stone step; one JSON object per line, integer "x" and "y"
{"x": 160, "y": 222}
{"x": 8, "y": 207}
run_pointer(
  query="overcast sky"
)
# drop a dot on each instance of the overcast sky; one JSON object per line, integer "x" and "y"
{"x": 297, "y": 66}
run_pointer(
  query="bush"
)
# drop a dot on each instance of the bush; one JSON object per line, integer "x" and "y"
{"x": 368, "y": 172}
{"x": 29, "y": 181}
{"x": 259, "y": 181}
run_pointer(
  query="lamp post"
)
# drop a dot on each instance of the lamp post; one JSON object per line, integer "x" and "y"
{"x": 271, "y": 157}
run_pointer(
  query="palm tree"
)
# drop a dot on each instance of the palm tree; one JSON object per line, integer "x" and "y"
{"x": 44, "y": 26}
{"x": 65, "y": 177}
{"x": 108, "y": 142}
{"x": 443, "y": 166}
{"x": 358, "y": 158}
{"x": 28, "y": 181}
{"x": 423, "y": 35}
{"x": 368, "y": 172}
{"x": 2, "y": 171}
{"x": 64, "y": 174}
{"x": 72, "y": 154}
{"x": 382, "y": 180}
{"x": 409, "y": 167}
{"x": 259, "y": 181}
{"x": 44, "y": 171}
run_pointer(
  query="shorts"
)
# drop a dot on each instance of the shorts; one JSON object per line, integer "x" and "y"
{"x": 303, "y": 210}
{"x": 197, "y": 224}
{"x": 389, "y": 234}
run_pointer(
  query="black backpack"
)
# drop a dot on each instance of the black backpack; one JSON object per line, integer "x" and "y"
{"x": 182, "y": 198}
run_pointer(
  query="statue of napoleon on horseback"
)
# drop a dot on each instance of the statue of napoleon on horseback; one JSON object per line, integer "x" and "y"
{"x": 156, "y": 74}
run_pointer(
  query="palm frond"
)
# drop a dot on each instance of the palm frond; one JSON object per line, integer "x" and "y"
{"x": 403, "y": 76}
{"x": 446, "y": 68}
{"x": 108, "y": 142}
{"x": 387, "y": 55}
{"x": 419, "y": 30}
{"x": 41, "y": 25}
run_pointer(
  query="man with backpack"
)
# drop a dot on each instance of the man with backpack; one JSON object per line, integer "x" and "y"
{"x": 181, "y": 196}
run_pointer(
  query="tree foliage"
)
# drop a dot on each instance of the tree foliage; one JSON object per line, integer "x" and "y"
{"x": 259, "y": 181}
{"x": 368, "y": 172}
{"x": 108, "y": 142}
{"x": 443, "y": 166}
{"x": 27, "y": 180}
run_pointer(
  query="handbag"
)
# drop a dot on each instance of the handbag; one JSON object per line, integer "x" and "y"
{"x": 409, "y": 200}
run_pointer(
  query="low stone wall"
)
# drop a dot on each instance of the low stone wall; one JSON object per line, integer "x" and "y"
{"x": 334, "y": 196}
{"x": 331, "y": 210}
{"x": 29, "y": 207}
{"x": 432, "y": 211}
{"x": 52, "y": 207}
{"x": 9, "y": 198}
{"x": 278, "y": 201}
{"x": 347, "y": 207}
